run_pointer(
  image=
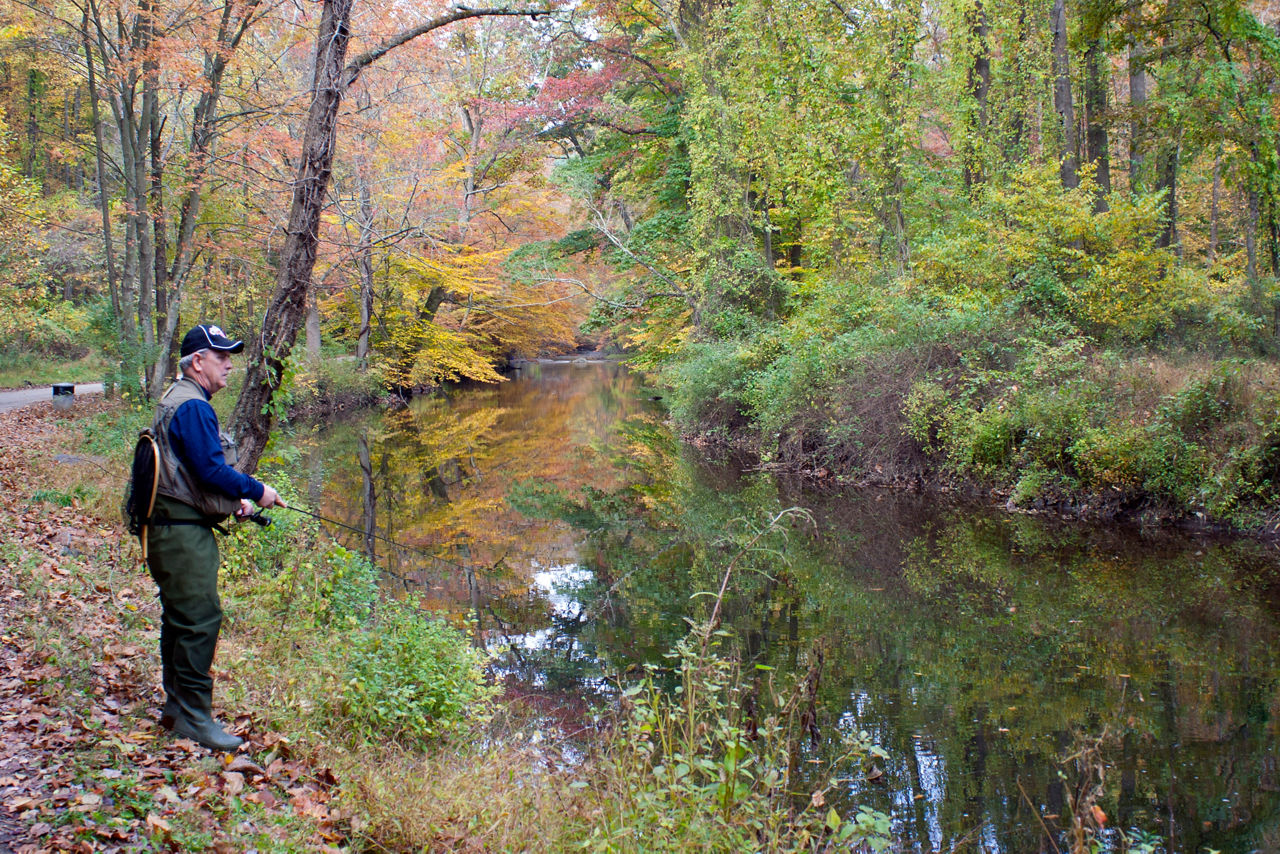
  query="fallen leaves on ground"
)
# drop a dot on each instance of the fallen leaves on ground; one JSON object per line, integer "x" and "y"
{"x": 84, "y": 765}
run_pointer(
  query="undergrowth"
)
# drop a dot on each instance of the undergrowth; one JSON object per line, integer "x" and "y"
{"x": 1038, "y": 345}
{"x": 1044, "y": 414}
{"x": 396, "y": 703}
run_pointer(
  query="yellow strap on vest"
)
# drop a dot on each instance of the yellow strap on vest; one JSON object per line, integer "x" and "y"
{"x": 155, "y": 484}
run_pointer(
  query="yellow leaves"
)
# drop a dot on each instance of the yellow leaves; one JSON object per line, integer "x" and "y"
{"x": 463, "y": 272}
{"x": 432, "y": 354}
{"x": 1030, "y": 238}
{"x": 662, "y": 333}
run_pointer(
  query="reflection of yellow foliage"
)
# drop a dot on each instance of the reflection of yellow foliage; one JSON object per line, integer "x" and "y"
{"x": 443, "y": 465}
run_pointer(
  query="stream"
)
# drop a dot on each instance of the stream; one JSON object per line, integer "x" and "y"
{"x": 1006, "y": 663}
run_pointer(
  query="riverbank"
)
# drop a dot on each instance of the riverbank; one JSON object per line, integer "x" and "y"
{"x": 1032, "y": 419}
{"x": 368, "y": 723}
{"x": 86, "y": 766}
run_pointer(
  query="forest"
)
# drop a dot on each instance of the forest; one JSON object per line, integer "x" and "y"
{"x": 1024, "y": 255}
{"x": 1027, "y": 247}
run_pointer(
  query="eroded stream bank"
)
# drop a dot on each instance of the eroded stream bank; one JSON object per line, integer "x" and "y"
{"x": 983, "y": 651}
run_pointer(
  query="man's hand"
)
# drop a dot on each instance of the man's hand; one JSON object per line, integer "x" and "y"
{"x": 270, "y": 498}
{"x": 246, "y": 508}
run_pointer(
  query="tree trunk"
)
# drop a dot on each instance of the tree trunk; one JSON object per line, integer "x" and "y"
{"x": 1167, "y": 181}
{"x": 33, "y": 123}
{"x": 767, "y": 232}
{"x": 252, "y": 416}
{"x": 979, "y": 87}
{"x": 1137, "y": 105}
{"x": 1251, "y": 245}
{"x": 166, "y": 302}
{"x": 129, "y": 290}
{"x": 365, "y": 255}
{"x": 1095, "y": 104}
{"x": 140, "y": 132}
{"x": 313, "y": 326}
{"x": 369, "y": 499}
{"x": 472, "y": 127}
{"x": 1273, "y": 234}
{"x": 267, "y": 355}
{"x": 1215, "y": 198}
{"x": 1062, "y": 102}
{"x": 121, "y": 318}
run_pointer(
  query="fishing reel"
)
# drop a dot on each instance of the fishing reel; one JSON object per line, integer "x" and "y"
{"x": 260, "y": 518}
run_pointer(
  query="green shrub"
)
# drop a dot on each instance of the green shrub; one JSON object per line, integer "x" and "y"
{"x": 352, "y": 585}
{"x": 794, "y": 384}
{"x": 1206, "y": 402}
{"x": 413, "y": 678}
{"x": 1034, "y": 484}
{"x": 709, "y": 384}
{"x": 1246, "y": 489}
{"x": 250, "y": 549}
{"x": 929, "y": 414}
{"x": 1051, "y": 420}
{"x": 990, "y": 439}
{"x": 1142, "y": 460}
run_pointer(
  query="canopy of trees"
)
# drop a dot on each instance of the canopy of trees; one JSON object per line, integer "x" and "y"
{"x": 441, "y": 190}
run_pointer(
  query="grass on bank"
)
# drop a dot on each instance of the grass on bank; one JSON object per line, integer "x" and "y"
{"x": 395, "y": 703}
{"x": 27, "y": 368}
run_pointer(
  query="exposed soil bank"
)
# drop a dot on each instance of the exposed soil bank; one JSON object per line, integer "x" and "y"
{"x": 1191, "y": 443}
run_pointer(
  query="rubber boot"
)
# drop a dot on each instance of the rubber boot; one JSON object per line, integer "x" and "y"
{"x": 170, "y": 713}
{"x": 203, "y": 729}
{"x": 172, "y": 708}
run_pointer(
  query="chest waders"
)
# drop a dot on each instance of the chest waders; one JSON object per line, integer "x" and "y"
{"x": 182, "y": 555}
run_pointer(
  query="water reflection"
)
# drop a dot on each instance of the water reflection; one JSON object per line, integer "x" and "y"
{"x": 1015, "y": 670}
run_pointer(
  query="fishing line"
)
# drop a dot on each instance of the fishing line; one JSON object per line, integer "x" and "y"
{"x": 266, "y": 521}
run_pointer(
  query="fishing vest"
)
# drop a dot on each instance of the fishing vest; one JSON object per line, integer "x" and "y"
{"x": 176, "y": 481}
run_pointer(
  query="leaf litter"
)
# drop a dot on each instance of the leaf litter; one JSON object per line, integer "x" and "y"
{"x": 84, "y": 764}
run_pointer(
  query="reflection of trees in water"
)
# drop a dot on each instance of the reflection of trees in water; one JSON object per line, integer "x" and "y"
{"x": 979, "y": 649}
{"x": 434, "y": 476}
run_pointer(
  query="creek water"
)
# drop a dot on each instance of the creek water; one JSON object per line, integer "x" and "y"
{"x": 1013, "y": 668}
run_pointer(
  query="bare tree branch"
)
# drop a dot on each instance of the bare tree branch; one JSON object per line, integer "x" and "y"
{"x": 459, "y": 13}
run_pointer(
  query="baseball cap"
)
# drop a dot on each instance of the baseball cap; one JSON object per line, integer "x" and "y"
{"x": 208, "y": 337}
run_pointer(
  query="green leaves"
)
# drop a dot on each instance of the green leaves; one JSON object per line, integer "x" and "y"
{"x": 412, "y": 677}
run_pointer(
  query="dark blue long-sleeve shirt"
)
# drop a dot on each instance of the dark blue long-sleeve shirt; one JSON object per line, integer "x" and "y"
{"x": 193, "y": 433}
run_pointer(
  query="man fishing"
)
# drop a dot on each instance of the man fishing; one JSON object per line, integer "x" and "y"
{"x": 197, "y": 489}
